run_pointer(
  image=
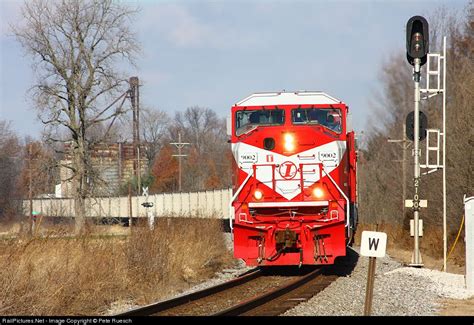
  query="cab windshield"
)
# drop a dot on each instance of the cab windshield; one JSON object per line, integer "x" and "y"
{"x": 248, "y": 120}
{"x": 328, "y": 117}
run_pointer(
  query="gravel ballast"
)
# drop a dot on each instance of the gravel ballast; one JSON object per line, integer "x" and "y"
{"x": 398, "y": 291}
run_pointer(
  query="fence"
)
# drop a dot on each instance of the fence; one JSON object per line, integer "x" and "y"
{"x": 205, "y": 204}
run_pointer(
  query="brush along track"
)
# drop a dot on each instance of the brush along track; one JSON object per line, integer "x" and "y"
{"x": 255, "y": 293}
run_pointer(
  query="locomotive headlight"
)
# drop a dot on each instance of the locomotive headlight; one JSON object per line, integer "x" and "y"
{"x": 318, "y": 192}
{"x": 258, "y": 195}
{"x": 289, "y": 142}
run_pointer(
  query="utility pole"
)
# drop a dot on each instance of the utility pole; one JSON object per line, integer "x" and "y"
{"x": 30, "y": 189}
{"x": 405, "y": 144}
{"x": 135, "y": 99}
{"x": 180, "y": 145}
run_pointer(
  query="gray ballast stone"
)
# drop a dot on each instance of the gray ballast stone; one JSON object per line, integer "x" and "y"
{"x": 398, "y": 290}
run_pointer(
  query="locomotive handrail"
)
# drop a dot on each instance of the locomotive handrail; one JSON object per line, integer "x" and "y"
{"x": 301, "y": 179}
{"x": 231, "y": 215}
{"x": 345, "y": 197}
{"x": 289, "y": 204}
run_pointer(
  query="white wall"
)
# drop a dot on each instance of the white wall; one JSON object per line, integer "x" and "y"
{"x": 205, "y": 204}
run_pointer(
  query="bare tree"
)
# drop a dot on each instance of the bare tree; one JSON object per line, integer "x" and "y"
{"x": 76, "y": 45}
{"x": 201, "y": 126}
{"x": 154, "y": 126}
{"x": 380, "y": 184}
{"x": 209, "y": 154}
{"x": 39, "y": 170}
{"x": 10, "y": 159}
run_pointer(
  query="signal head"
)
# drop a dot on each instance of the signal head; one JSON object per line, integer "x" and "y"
{"x": 417, "y": 39}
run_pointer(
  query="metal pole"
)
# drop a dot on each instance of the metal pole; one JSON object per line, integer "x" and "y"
{"x": 370, "y": 287}
{"x": 134, "y": 98}
{"x": 445, "y": 241}
{"x": 30, "y": 190}
{"x": 179, "y": 157}
{"x": 138, "y": 136}
{"x": 134, "y": 124}
{"x": 139, "y": 171}
{"x": 416, "y": 179}
{"x": 130, "y": 205}
{"x": 404, "y": 172}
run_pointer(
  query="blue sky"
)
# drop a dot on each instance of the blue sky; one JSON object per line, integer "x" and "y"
{"x": 215, "y": 53}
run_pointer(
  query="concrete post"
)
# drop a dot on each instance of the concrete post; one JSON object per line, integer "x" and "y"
{"x": 469, "y": 231}
{"x": 151, "y": 219}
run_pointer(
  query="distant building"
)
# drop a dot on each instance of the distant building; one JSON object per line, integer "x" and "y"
{"x": 112, "y": 163}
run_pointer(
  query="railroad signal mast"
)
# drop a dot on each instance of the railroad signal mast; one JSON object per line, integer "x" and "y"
{"x": 417, "y": 50}
{"x": 417, "y": 44}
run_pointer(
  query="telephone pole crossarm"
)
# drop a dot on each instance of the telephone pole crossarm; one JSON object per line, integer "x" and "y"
{"x": 404, "y": 144}
{"x": 180, "y": 145}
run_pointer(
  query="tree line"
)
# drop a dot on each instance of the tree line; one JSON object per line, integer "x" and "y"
{"x": 79, "y": 94}
{"x": 33, "y": 165}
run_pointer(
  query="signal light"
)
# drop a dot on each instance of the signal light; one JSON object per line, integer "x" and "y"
{"x": 289, "y": 142}
{"x": 417, "y": 39}
{"x": 410, "y": 126}
{"x": 258, "y": 195}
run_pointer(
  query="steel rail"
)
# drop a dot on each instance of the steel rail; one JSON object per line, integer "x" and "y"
{"x": 181, "y": 300}
{"x": 269, "y": 296}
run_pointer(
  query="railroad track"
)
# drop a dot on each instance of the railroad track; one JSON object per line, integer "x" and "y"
{"x": 158, "y": 307}
{"x": 254, "y": 293}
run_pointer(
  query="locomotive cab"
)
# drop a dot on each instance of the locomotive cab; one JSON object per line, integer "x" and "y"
{"x": 294, "y": 179}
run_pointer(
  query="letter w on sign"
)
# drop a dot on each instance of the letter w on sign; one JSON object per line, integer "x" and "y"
{"x": 373, "y": 244}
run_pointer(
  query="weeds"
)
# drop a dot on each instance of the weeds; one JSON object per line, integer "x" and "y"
{"x": 58, "y": 275}
{"x": 431, "y": 243}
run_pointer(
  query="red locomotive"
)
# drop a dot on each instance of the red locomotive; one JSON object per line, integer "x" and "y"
{"x": 295, "y": 198}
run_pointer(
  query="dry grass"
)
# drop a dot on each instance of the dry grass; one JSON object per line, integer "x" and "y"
{"x": 457, "y": 307}
{"x": 431, "y": 244}
{"x": 58, "y": 275}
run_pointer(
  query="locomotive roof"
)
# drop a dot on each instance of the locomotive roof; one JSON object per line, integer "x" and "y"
{"x": 288, "y": 98}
